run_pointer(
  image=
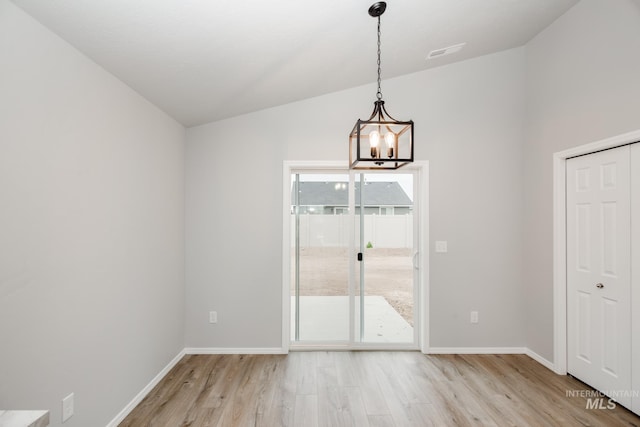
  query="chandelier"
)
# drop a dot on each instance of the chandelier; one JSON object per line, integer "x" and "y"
{"x": 380, "y": 142}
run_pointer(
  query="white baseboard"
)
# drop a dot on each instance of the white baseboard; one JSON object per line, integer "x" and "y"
{"x": 136, "y": 400}
{"x": 494, "y": 350}
{"x": 541, "y": 360}
{"x": 242, "y": 350}
{"x": 477, "y": 350}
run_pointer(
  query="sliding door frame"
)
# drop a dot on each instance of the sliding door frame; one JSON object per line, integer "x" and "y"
{"x": 421, "y": 169}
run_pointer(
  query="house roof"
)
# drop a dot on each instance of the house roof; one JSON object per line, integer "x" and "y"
{"x": 332, "y": 193}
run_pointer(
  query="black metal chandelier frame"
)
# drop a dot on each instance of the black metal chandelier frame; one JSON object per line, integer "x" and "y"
{"x": 365, "y": 138}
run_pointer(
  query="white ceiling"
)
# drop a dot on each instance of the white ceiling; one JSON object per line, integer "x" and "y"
{"x": 205, "y": 60}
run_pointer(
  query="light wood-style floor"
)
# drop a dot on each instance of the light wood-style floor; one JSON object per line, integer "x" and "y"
{"x": 368, "y": 389}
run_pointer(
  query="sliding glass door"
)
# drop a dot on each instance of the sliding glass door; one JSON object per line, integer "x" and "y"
{"x": 386, "y": 278}
{"x": 353, "y": 244}
{"x": 320, "y": 258}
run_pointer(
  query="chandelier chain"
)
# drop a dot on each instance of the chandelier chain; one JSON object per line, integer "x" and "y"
{"x": 379, "y": 94}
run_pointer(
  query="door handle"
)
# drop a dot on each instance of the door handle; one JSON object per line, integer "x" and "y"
{"x": 599, "y": 286}
{"x": 414, "y": 259}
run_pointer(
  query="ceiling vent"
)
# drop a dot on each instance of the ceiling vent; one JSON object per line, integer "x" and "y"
{"x": 445, "y": 51}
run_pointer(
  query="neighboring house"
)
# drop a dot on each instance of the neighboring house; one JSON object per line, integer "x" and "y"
{"x": 332, "y": 198}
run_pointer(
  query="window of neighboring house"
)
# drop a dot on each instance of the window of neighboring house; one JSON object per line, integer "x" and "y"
{"x": 386, "y": 210}
{"x": 403, "y": 210}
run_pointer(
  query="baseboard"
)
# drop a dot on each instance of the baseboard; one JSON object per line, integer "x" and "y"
{"x": 477, "y": 350}
{"x": 541, "y": 360}
{"x": 136, "y": 400}
{"x": 242, "y": 350}
{"x": 494, "y": 350}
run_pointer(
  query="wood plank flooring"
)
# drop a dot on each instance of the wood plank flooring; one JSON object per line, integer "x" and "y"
{"x": 376, "y": 389}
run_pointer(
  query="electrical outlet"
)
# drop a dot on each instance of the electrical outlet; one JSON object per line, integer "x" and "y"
{"x": 213, "y": 317}
{"x": 441, "y": 246}
{"x": 474, "y": 317}
{"x": 67, "y": 407}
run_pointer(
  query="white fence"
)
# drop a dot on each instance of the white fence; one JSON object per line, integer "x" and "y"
{"x": 382, "y": 231}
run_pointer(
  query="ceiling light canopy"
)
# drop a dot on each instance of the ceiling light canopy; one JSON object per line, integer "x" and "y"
{"x": 380, "y": 142}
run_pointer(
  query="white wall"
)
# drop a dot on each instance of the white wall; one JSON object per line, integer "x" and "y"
{"x": 469, "y": 122}
{"x": 91, "y": 230}
{"x": 582, "y": 86}
{"x": 91, "y": 186}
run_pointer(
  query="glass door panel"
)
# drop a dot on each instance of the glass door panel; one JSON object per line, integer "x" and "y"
{"x": 385, "y": 293}
{"x": 320, "y": 258}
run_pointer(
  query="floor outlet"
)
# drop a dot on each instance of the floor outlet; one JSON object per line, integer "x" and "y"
{"x": 67, "y": 407}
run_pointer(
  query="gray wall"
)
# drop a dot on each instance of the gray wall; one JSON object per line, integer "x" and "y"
{"x": 91, "y": 230}
{"x": 92, "y": 184}
{"x": 583, "y": 85}
{"x": 469, "y": 122}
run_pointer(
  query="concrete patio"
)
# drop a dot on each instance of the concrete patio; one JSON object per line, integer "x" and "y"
{"x": 326, "y": 319}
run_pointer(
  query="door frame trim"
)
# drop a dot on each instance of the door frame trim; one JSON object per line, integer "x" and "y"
{"x": 422, "y": 168}
{"x": 560, "y": 239}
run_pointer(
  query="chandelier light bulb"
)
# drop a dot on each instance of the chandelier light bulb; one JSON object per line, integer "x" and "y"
{"x": 390, "y": 139}
{"x": 374, "y": 141}
{"x": 374, "y": 138}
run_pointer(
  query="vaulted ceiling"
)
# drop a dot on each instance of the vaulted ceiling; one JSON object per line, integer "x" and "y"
{"x": 205, "y": 60}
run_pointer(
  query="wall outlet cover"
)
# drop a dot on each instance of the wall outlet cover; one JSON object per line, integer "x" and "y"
{"x": 474, "y": 317}
{"x": 67, "y": 407}
{"x": 441, "y": 246}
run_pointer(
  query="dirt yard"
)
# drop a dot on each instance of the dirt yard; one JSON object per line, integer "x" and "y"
{"x": 388, "y": 272}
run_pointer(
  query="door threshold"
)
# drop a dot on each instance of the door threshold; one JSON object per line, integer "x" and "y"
{"x": 346, "y": 347}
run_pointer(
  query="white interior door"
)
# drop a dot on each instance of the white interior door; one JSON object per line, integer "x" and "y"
{"x": 599, "y": 271}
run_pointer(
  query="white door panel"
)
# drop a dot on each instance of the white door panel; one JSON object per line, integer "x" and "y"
{"x": 599, "y": 271}
{"x": 635, "y": 275}
{"x": 583, "y": 326}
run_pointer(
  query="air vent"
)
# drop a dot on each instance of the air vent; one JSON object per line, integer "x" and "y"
{"x": 445, "y": 51}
